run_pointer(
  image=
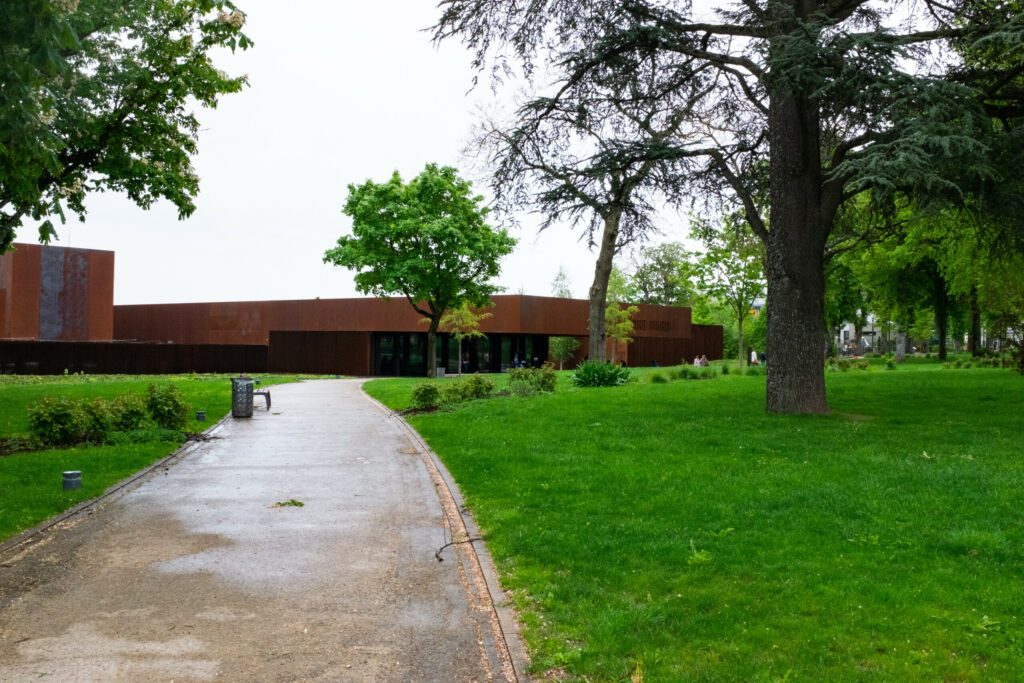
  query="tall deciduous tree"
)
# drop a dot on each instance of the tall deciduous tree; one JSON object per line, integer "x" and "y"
{"x": 599, "y": 164}
{"x": 663, "y": 275}
{"x": 833, "y": 97}
{"x": 732, "y": 271}
{"x": 98, "y": 95}
{"x": 426, "y": 240}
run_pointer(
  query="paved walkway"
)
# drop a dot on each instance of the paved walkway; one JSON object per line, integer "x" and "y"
{"x": 195, "y": 575}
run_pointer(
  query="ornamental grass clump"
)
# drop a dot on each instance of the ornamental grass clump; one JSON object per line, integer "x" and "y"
{"x": 695, "y": 372}
{"x": 595, "y": 374}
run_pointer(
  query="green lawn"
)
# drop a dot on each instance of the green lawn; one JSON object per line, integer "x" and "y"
{"x": 30, "y": 482}
{"x": 679, "y": 531}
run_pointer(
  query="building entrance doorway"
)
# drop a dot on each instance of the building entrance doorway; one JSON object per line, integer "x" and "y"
{"x": 399, "y": 354}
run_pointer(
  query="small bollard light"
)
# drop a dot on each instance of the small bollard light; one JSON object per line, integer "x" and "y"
{"x": 72, "y": 480}
{"x": 200, "y": 416}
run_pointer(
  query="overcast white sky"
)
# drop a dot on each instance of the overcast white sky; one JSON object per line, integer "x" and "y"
{"x": 339, "y": 92}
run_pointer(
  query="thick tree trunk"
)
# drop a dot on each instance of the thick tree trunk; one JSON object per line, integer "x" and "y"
{"x": 432, "y": 345}
{"x": 795, "y": 258}
{"x": 974, "y": 336}
{"x": 599, "y": 290}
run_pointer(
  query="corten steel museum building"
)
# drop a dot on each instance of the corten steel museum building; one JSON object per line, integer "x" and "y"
{"x": 57, "y": 314}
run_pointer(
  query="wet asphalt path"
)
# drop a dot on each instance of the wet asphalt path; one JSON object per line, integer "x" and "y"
{"x": 194, "y": 574}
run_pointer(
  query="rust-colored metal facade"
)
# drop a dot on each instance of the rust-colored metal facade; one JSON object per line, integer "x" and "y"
{"x": 708, "y": 340}
{"x": 339, "y": 353}
{"x": 251, "y": 322}
{"x": 56, "y": 293}
{"x": 344, "y": 336}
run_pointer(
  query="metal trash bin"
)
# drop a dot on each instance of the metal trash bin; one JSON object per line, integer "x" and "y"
{"x": 241, "y": 397}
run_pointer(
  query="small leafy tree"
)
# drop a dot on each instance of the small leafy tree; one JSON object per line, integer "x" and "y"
{"x": 462, "y": 323}
{"x": 1002, "y": 295}
{"x": 426, "y": 240}
{"x": 560, "y": 286}
{"x": 618, "y": 324}
{"x": 563, "y": 349}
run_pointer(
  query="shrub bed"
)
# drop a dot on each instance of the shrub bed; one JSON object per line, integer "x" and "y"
{"x": 527, "y": 381}
{"x": 64, "y": 421}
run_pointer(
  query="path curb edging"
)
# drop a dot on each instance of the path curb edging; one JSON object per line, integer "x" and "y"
{"x": 498, "y": 602}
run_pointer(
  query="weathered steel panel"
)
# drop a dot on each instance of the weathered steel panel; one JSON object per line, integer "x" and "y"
{"x": 708, "y": 340}
{"x": 250, "y": 322}
{"x": 24, "y": 291}
{"x": 54, "y": 357}
{"x": 57, "y": 293}
{"x": 6, "y": 265}
{"x": 549, "y": 315}
{"x": 329, "y": 353}
{"x": 100, "y": 321}
{"x": 63, "y": 295}
{"x": 51, "y": 282}
{"x": 663, "y": 351}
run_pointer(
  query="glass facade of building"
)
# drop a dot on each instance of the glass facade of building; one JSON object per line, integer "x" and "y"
{"x": 403, "y": 354}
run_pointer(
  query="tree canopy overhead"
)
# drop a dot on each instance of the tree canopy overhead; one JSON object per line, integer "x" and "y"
{"x": 793, "y": 108}
{"x": 426, "y": 240}
{"x": 98, "y": 95}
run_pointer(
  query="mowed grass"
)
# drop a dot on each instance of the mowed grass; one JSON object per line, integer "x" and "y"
{"x": 31, "y": 488}
{"x": 676, "y": 532}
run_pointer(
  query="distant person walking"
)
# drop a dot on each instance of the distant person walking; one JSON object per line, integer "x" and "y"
{"x": 753, "y": 355}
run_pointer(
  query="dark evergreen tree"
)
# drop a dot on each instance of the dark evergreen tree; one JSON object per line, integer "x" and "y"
{"x": 833, "y": 97}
